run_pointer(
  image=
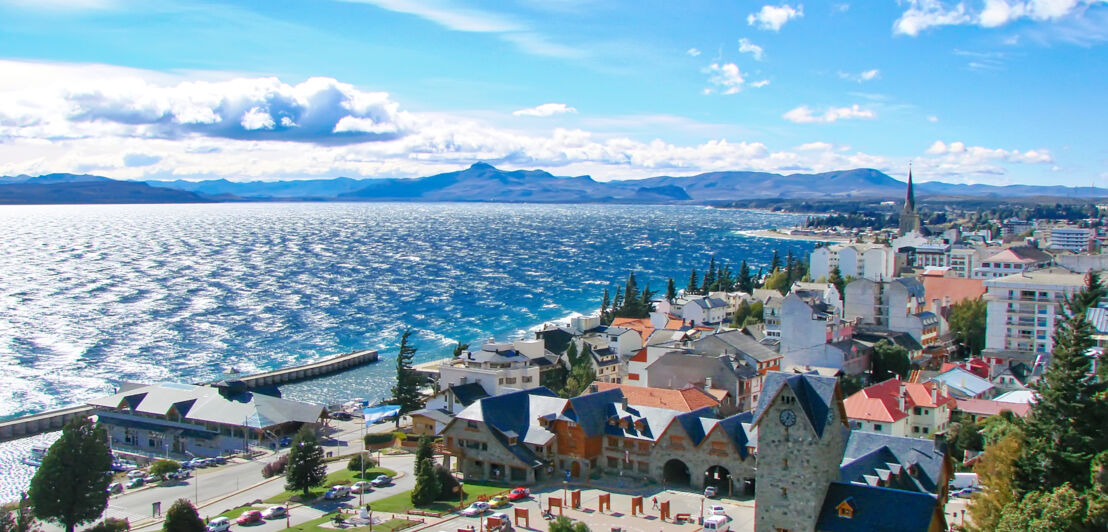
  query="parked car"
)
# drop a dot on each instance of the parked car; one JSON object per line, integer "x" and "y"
{"x": 274, "y": 512}
{"x": 505, "y": 522}
{"x": 187, "y": 464}
{"x": 219, "y": 460}
{"x": 361, "y": 486}
{"x": 136, "y": 473}
{"x": 716, "y": 523}
{"x": 716, "y": 509}
{"x": 150, "y": 479}
{"x": 115, "y": 487}
{"x": 710, "y": 492}
{"x": 475, "y": 509}
{"x": 134, "y": 483}
{"x": 253, "y": 516}
{"x": 519, "y": 493}
{"x": 336, "y": 492}
{"x": 341, "y": 416}
{"x": 499, "y": 501}
{"x": 286, "y": 441}
{"x": 219, "y": 524}
{"x": 381, "y": 480}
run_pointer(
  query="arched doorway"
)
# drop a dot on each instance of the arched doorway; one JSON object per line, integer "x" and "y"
{"x": 676, "y": 473}
{"x": 575, "y": 469}
{"x": 719, "y": 477}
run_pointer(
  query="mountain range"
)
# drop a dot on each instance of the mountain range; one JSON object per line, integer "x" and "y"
{"x": 482, "y": 182}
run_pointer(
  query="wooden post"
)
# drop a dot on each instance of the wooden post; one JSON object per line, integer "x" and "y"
{"x": 575, "y": 499}
{"x": 636, "y": 506}
{"x": 663, "y": 513}
{"x": 521, "y": 515}
{"x": 605, "y": 502}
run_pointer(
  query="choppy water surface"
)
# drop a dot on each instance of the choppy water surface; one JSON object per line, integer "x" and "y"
{"x": 94, "y": 295}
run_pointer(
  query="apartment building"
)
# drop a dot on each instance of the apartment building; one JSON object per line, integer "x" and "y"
{"x": 1023, "y": 310}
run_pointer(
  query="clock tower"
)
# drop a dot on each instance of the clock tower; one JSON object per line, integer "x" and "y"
{"x": 801, "y": 437}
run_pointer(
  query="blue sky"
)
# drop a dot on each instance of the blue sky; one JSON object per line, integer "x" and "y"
{"x": 994, "y": 91}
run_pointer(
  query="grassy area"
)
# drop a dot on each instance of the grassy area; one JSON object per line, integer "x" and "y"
{"x": 342, "y": 476}
{"x": 391, "y": 525}
{"x": 402, "y": 502}
{"x": 234, "y": 513}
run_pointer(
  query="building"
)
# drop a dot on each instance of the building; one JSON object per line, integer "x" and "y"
{"x": 963, "y": 384}
{"x": 686, "y": 399}
{"x": 813, "y": 333}
{"x": 815, "y": 473}
{"x": 909, "y": 218}
{"x": 498, "y": 366}
{"x": 978, "y": 410}
{"x": 941, "y": 292}
{"x": 963, "y": 259}
{"x": 1023, "y": 310}
{"x": 1015, "y": 227}
{"x": 181, "y": 420}
{"x": 901, "y": 408}
{"x": 871, "y": 261}
{"x": 897, "y": 305}
{"x": 1010, "y": 261}
{"x": 1075, "y": 239}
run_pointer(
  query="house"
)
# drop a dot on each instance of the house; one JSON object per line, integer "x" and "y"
{"x": 815, "y": 473}
{"x": 963, "y": 384}
{"x": 897, "y": 305}
{"x": 181, "y": 420}
{"x": 497, "y": 366}
{"x": 642, "y": 326}
{"x": 677, "y": 369}
{"x": 901, "y": 408}
{"x": 771, "y": 310}
{"x": 940, "y": 292}
{"x": 429, "y": 421}
{"x": 706, "y": 310}
{"x": 686, "y": 399}
{"x": 1010, "y": 261}
{"x": 1023, "y": 310}
{"x": 876, "y": 262}
{"x": 456, "y": 397}
{"x": 1072, "y": 239}
{"x": 978, "y": 410}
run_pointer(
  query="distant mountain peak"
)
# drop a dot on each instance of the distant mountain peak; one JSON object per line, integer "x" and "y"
{"x": 481, "y": 165}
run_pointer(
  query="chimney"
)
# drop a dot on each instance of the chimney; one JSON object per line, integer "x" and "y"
{"x": 902, "y": 393}
{"x": 623, "y": 401}
{"x": 934, "y": 394}
{"x": 707, "y": 383}
{"x": 593, "y": 388}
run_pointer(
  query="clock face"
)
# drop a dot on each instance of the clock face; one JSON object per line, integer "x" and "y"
{"x": 788, "y": 417}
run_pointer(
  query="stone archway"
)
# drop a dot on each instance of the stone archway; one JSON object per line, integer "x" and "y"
{"x": 676, "y": 473}
{"x": 719, "y": 477}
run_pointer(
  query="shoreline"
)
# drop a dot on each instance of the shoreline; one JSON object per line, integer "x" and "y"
{"x": 773, "y": 233}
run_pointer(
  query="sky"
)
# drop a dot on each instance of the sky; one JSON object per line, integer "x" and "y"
{"x": 978, "y": 91}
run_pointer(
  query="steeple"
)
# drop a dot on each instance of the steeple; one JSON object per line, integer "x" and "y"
{"x": 909, "y": 218}
{"x": 910, "y": 197}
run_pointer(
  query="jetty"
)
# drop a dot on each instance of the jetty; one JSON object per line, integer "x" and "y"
{"x": 34, "y": 424}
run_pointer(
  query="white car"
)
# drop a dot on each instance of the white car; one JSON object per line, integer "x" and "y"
{"x": 219, "y": 524}
{"x": 710, "y": 492}
{"x": 136, "y": 473}
{"x": 475, "y": 509}
{"x": 336, "y": 492}
{"x": 716, "y": 509}
{"x": 361, "y": 486}
{"x": 274, "y": 512}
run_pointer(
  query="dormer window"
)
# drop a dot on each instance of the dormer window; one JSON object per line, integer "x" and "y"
{"x": 512, "y": 440}
{"x": 845, "y": 509}
{"x": 613, "y": 420}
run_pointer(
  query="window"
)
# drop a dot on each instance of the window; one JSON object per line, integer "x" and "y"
{"x": 877, "y": 427}
{"x": 918, "y": 411}
{"x": 915, "y": 430}
{"x": 925, "y": 430}
{"x": 785, "y": 463}
{"x": 471, "y": 425}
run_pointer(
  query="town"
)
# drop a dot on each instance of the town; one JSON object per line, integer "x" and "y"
{"x": 898, "y": 382}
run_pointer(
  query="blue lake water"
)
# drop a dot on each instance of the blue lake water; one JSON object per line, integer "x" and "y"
{"x": 91, "y": 296}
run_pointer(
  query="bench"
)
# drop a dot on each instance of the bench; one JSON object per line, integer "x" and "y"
{"x": 682, "y": 517}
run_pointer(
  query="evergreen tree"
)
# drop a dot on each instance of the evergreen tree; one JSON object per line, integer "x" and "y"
{"x": 745, "y": 281}
{"x": 630, "y": 292}
{"x": 740, "y": 315}
{"x": 671, "y": 290}
{"x": 836, "y": 278}
{"x": 571, "y": 354}
{"x": 406, "y": 392}
{"x": 605, "y": 302}
{"x": 692, "y": 287}
{"x": 306, "y": 469}
{"x": 581, "y": 376}
{"x": 183, "y": 517}
{"x": 725, "y": 281}
{"x": 460, "y": 349}
{"x": 709, "y": 283}
{"x": 889, "y": 360}
{"x": 427, "y": 487}
{"x": 18, "y": 518}
{"x": 967, "y": 322}
{"x": 775, "y": 262}
{"x": 70, "y": 486}
{"x": 425, "y": 453}
{"x": 790, "y": 267}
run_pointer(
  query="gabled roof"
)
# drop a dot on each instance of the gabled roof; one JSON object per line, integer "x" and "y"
{"x": 962, "y": 382}
{"x": 468, "y": 393}
{"x": 685, "y": 400}
{"x": 208, "y": 405}
{"x": 738, "y": 428}
{"x": 735, "y": 342}
{"x": 914, "y": 287}
{"x": 643, "y": 326}
{"x": 880, "y": 402}
{"x": 875, "y": 509}
{"x": 710, "y": 302}
{"x": 814, "y": 394}
{"x": 988, "y": 407}
{"x": 1021, "y": 255}
{"x": 590, "y": 410}
{"x": 910, "y": 464}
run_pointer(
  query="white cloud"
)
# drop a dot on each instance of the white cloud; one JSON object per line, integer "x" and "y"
{"x": 759, "y": 84}
{"x": 924, "y": 14}
{"x": 805, "y": 115}
{"x": 693, "y": 52}
{"x": 726, "y": 76}
{"x": 815, "y": 146}
{"x": 774, "y": 17}
{"x": 861, "y": 77}
{"x": 546, "y": 109}
{"x": 933, "y": 119}
{"x": 747, "y": 47}
{"x": 960, "y": 154}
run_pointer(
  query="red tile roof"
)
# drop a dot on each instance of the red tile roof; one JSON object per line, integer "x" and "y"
{"x": 880, "y": 402}
{"x": 639, "y": 325}
{"x": 640, "y": 356}
{"x": 955, "y": 288}
{"x": 988, "y": 407}
{"x": 685, "y": 400}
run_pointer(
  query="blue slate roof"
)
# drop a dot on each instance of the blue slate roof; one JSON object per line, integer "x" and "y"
{"x": 914, "y": 287}
{"x": 814, "y": 394}
{"x": 875, "y": 509}
{"x": 737, "y": 428}
{"x": 468, "y": 393}
{"x": 869, "y": 456}
{"x": 590, "y": 410}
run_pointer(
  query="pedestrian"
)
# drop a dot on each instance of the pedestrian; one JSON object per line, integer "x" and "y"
{"x": 655, "y": 501}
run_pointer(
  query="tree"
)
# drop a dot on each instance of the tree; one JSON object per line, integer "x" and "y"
{"x": 306, "y": 469}
{"x": 460, "y": 349}
{"x": 605, "y": 302}
{"x": 671, "y": 290}
{"x": 427, "y": 486}
{"x": 1061, "y": 510}
{"x": 571, "y": 354}
{"x": 691, "y": 288}
{"x": 425, "y": 452}
{"x": 740, "y": 315}
{"x": 563, "y": 524}
{"x": 745, "y": 282}
{"x": 111, "y": 524}
{"x": 775, "y": 262}
{"x": 836, "y": 278}
{"x": 889, "y": 360}
{"x": 406, "y": 393}
{"x": 161, "y": 468}
{"x": 19, "y": 518}
{"x": 778, "y": 280}
{"x": 356, "y": 463}
{"x": 709, "y": 277}
{"x": 967, "y": 322}
{"x": 964, "y": 436}
{"x": 581, "y": 376}
{"x": 183, "y": 517}
{"x": 995, "y": 472}
{"x": 70, "y": 487}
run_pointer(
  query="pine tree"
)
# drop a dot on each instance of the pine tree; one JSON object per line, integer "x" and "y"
{"x": 709, "y": 277}
{"x": 724, "y": 281}
{"x": 571, "y": 354}
{"x": 790, "y": 267}
{"x": 671, "y": 290}
{"x": 759, "y": 281}
{"x": 306, "y": 469}
{"x": 425, "y": 453}
{"x": 775, "y": 262}
{"x": 836, "y": 278}
{"x": 605, "y": 302}
{"x": 692, "y": 288}
{"x": 460, "y": 349}
{"x": 183, "y": 517}
{"x": 745, "y": 281}
{"x": 427, "y": 487}
{"x": 70, "y": 486}
{"x": 406, "y": 393}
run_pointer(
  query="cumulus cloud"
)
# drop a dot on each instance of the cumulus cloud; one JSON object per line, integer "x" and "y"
{"x": 774, "y": 17}
{"x": 726, "y": 77}
{"x": 923, "y": 14}
{"x": 546, "y": 109}
{"x": 933, "y": 119}
{"x": 693, "y": 52}
{"x": 760, "y": 83}
{"x": 805, "y": 115}
{"x": 747, "y": 47}
{"x": 958, "y": 152}
{"x": 861, "y": 77}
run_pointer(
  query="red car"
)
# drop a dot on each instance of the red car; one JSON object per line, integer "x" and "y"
{"x": 253, "y": 516}
{"x": 519, "y": 493}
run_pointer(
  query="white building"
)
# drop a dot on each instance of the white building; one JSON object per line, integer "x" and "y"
{"x": 1075, "y": 239}
{"x": 499, "y": 366}
{"x": 871, "y": 261}
{"x": 1023, "y": 310}
{"x": 897, "y": 305}
{"x": 1012, "y": 260}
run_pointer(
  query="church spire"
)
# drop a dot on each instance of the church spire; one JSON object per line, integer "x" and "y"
{"x": 909, "y": 218}
{"x": 910, "y": 197}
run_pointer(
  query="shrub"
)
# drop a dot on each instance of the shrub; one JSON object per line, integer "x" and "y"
{"x": 378, "y": 438}
{"x": 182, "y": 517}
{"x": 275, "y": 467}
{"x": 448, "y": 484}
{"x": 355, "y": 463}
{"x": 110, "y": 524}
{"x": 161, "y": 468}
{"x": 400, "y": 435}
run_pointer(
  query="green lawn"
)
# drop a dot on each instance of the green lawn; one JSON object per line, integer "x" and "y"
{"x": 402, "y": 502}
{"x": 234, "y": 513}
{"x": 341, "y": 476}
{"x": 391, "y": 525}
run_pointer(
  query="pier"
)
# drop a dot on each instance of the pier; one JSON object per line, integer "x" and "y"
{"x": 54, "y": 420}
